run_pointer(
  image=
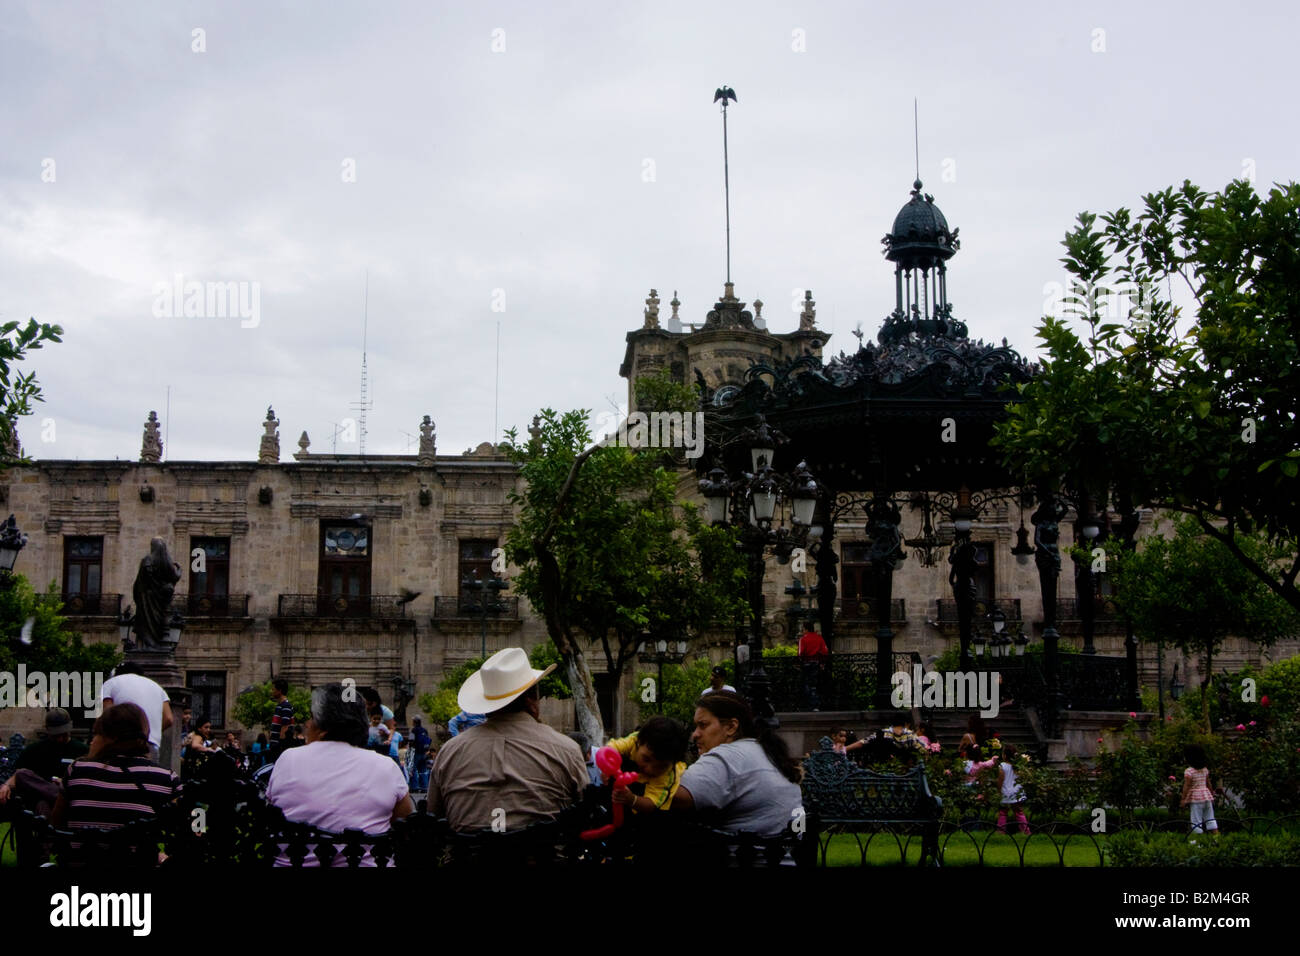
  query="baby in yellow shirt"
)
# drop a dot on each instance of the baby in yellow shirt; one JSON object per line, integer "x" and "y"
{"x": 656, "y": 751}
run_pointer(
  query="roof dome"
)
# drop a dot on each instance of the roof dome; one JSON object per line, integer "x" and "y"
{"x": 920, "y": 235}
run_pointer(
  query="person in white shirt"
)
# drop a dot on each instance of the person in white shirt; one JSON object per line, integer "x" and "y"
{"x": 718, "y": 681}
{"x": 129, "y": 686}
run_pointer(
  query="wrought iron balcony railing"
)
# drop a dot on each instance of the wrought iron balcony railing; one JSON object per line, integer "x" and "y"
{"x": 211, "y": 605}
{"x": 867, "y": 609}
{"x": 1008, "y": 606}
{"x": 92, "y": 605}
{"x": 1104, "y": 609}
{"x": 373, "y": 606}
{"x": 456, "y": 608}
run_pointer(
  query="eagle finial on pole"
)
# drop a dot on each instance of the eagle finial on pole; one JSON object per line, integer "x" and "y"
{"x": 727, "y": 95}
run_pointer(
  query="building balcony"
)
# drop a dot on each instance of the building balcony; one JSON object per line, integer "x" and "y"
{"x": 1103, "y": 609}
{"x": 92, "y": 605}
{"x": 983, "y": 607}
{"x": 867, "y": 609}
{"x": 461, "y": 609}
{"x": 372, "y": 607}
{"x": 211, "y": 605}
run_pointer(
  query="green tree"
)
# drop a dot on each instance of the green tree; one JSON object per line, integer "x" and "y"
{"x": 1191, "y": 592}
{"x": 51, "y": 644}
{"x": 1203, "y": 421}
{"x": 255, "y": 706}
{"x": 606, "y": 551}
{"x": 17, "y": 391}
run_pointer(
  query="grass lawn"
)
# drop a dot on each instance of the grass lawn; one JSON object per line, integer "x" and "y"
{"x": 963, "y": 849}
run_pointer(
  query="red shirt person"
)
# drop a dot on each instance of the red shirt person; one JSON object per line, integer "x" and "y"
{"x": 813, "y": 655}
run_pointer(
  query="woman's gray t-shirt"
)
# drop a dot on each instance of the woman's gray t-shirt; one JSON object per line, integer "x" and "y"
{"x": 737, "y": 780}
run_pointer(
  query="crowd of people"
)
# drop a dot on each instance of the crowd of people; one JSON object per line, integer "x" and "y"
{"x": 502, "y": 768}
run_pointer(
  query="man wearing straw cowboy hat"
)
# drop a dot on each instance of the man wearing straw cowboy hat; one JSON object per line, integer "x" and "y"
{"x": 511, "y": 770}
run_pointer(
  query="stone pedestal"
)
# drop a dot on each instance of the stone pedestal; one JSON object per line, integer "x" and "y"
{"x": 161, "y": 667}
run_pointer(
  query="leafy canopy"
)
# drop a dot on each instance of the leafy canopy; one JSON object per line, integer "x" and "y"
{"x": 18, "y": 391}
{"x": 1202, "y": 422}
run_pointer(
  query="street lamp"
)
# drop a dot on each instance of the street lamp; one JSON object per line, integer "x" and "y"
{"x": 661, "y": 652}
{"x": 174, "y": 628}
{"x": 124, "y": 622}
{"x": 750, "y": 503}
{"x": 486, "y": 605}
{"x": 11, "y": 542}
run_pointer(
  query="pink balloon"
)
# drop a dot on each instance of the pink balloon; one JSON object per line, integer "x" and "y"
{"x": 609, "y": 761}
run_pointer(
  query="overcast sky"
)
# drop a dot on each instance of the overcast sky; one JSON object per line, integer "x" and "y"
{"x": 541, "y": 166}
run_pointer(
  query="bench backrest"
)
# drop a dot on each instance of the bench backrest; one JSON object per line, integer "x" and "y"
{"x": 839, "y": 791}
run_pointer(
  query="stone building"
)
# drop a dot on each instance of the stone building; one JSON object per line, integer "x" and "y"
{"x": 316, "y": 569}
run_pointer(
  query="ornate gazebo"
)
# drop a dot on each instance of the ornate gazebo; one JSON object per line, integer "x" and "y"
{"x": 899, "y": 433}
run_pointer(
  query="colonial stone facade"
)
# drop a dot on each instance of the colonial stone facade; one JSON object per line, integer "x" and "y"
{"x": 324, "y": 568}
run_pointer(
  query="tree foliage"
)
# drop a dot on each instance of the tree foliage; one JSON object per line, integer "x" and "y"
{"x": 1190, "y": 592}
{"x": 18, "y": 391}
{"x": 607, "y": 553}
{"x": 54, "y": 645}
{"x": 1202, "y": 422}
{"x": 255, "y": 706}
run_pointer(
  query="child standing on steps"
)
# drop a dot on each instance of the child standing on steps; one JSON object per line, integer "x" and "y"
{"x": 1013, "y": 794}
{"x": 1196, "y": 790}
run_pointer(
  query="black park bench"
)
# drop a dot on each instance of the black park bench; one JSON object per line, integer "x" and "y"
{"x": 842, "y": 798}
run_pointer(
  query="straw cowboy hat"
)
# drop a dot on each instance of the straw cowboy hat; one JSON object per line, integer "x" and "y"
{"x": 503, "y": 677}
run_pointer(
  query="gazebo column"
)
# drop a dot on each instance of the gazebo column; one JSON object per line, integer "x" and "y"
{"x": 883, "y": 519}
{"x": 961, "y": 576}
{"x": 1084, "y": 584}
{"x": 827, "y": 576}
{"x": 1047, "y": 556}
{"x": 1128, "y": 525}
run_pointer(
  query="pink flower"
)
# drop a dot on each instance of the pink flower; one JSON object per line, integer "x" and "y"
{"x": 1263, "y": 701}
{"x": 1241, "y": 726}
{"x": 1252, "y": 723}
{"x": 1098, "y": 740}
{"x": 948, "y": 773}
{"x": 1132, "y": 713}
{"x": 1171, "y": 777}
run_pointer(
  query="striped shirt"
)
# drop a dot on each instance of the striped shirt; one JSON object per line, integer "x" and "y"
{"x": 281, "y": 718}
{"x": 107, "y": 795}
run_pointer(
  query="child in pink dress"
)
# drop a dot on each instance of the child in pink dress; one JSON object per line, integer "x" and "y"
{"x": 1196, "y": 791}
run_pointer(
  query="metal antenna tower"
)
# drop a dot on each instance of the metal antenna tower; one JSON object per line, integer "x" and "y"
{"x": 364, "y": 404}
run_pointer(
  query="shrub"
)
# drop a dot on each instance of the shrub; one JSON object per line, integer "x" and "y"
{"x": 1135, "y": 848}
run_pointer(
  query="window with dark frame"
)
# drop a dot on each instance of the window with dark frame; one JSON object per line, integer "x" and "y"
{"x": 210, "y": 588}
{"x": 475, "y": 562}
{"x": 855, "y": 579}
{"x": 83, "y": 565}
{"x": 209, "y": 699}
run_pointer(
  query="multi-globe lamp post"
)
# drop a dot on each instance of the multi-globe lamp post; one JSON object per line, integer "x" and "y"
{"x": 488, "y": 593}
{"x": 661, "y": 652}
{"x": 750, "y": 504}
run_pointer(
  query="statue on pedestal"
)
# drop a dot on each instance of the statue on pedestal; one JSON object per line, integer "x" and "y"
{"x": 154, "y": 585}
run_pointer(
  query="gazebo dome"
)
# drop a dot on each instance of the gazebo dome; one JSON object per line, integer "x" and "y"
{"x": 920, "y": 235}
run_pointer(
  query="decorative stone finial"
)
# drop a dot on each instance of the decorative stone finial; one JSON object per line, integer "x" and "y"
{"x": 269, "y": 453}
{"x": 674, "y": 320}
{"x": 808, "y": 317}
{"x": 303, "y": 444}
{"x": 652, "y": 311}
{"x": 729, "y": 292}
{"x": 535, "y": 429}
{"x": 758, "y": 314}
{"x": 12, "y": 447}
{"x": 428, "y": 446}
{"x": 151, "y": 450}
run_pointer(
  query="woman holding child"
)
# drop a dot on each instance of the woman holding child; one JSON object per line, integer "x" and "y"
{"x": 745, "y": 777}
